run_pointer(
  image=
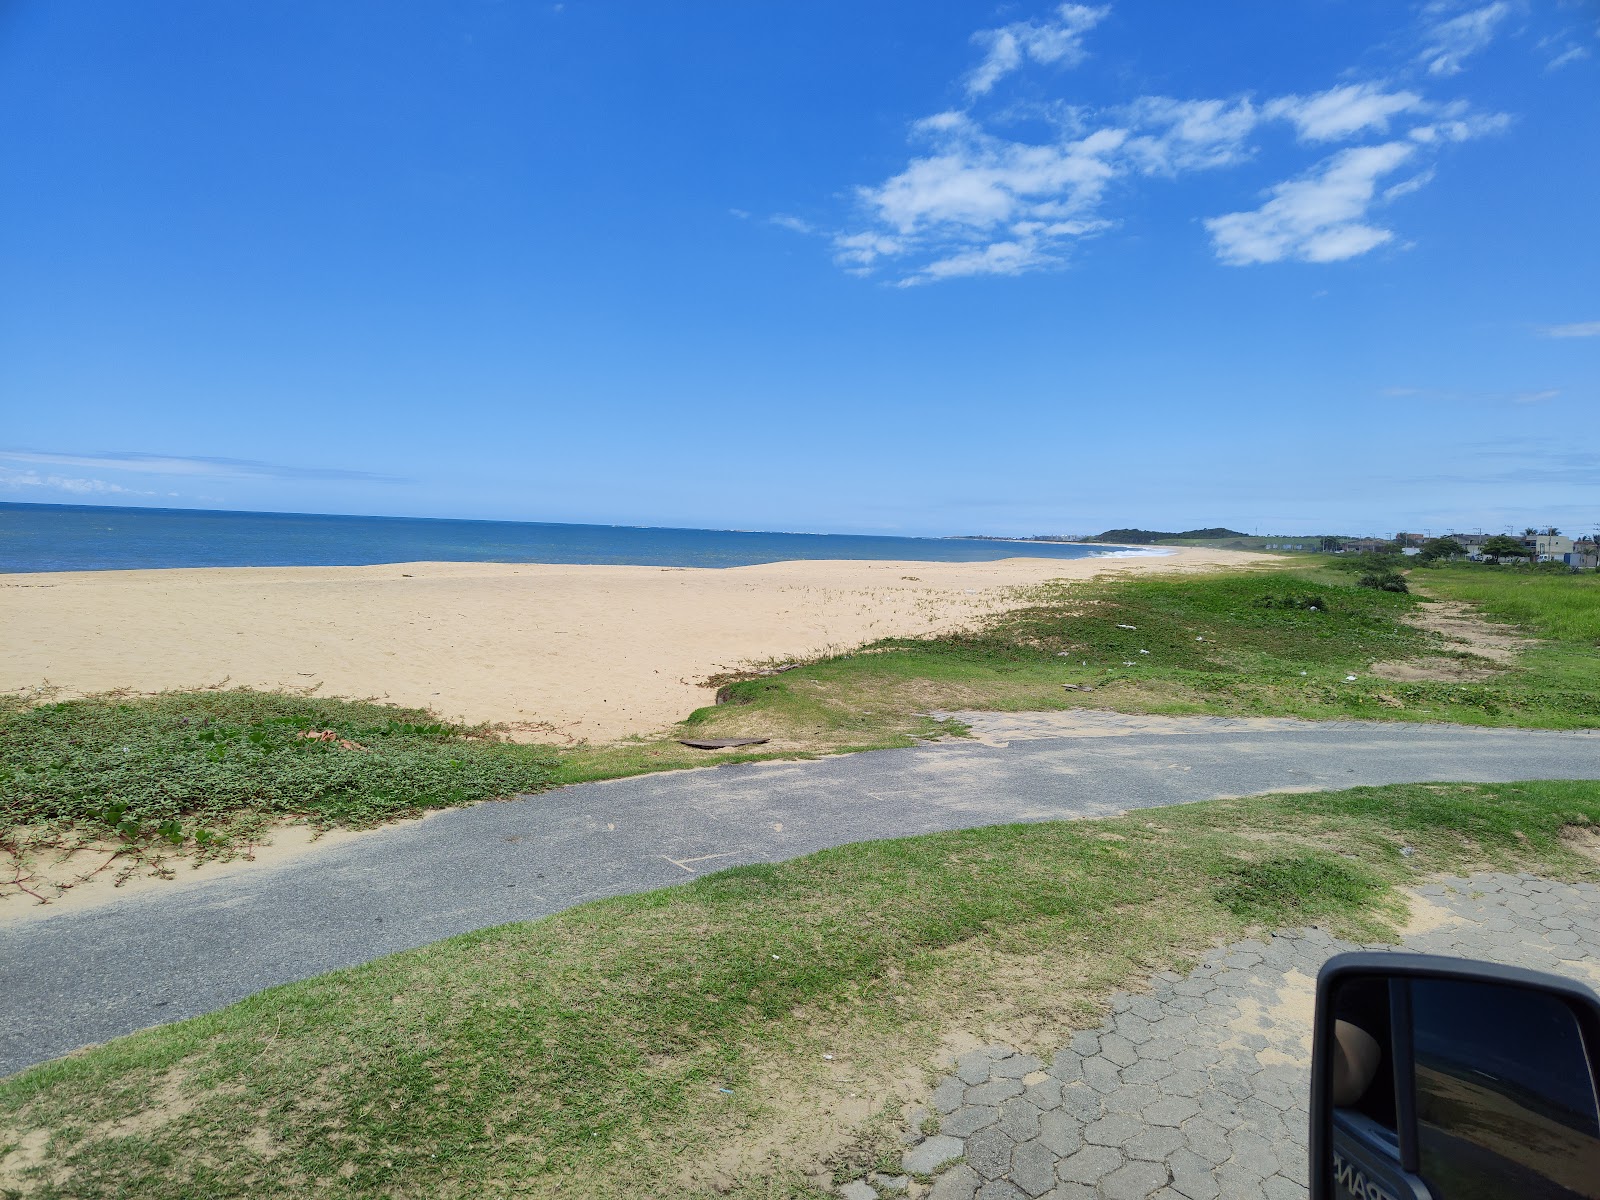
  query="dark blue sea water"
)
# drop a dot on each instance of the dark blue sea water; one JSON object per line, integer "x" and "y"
{"x": 81, "y": 537}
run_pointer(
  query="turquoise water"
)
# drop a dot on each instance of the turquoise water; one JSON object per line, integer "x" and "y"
{"x": 81, "y": 537}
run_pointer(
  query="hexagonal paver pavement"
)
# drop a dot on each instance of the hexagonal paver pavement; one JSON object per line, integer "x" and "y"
{"x": 1197, "y": 1089}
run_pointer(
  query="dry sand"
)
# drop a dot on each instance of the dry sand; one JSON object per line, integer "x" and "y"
{"x": 560, "y": 652}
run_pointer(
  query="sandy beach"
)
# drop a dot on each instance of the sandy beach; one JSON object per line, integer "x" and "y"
{"x": 562, "y": 653}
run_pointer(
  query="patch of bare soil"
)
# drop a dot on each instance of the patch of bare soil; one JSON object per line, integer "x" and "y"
{"x": 1584, "y": 839}
{"x": 173, "y": 1099}
{"x": 838, "y": 1103}
{"x": 1492, "y": 648}
{"x": 41, "y": 876}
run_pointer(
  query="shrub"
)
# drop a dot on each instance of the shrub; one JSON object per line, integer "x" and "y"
{"x": 1384, "y": 581}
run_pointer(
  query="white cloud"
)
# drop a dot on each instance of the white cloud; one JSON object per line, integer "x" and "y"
{"x": 1058, "y": 40}
{"x": 1448, "y": 40}
{"x": 1459, "y": 125}
{"x": 1339, "y": 112}
{"x": 974, "y": 202}
{"x": 1187, "y": 135}
{"x": 174, "y": 464}
{"x": 979, "y": 204}
{"x": 795, "y": 224}
{"x": 1406, "y": 186}
{"x": 997, "y": 258}
{"x": 72, "y": 486}
{"x": 1454, "y": 396}
{"x": 1317, "y": 218}
{"x": 1570, "y": 55}
{"x": 976, "y": 181}
{"x": 1580, "y": 329}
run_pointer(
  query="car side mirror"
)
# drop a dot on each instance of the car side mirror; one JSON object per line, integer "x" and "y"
{"x": 1447, "y": 1079}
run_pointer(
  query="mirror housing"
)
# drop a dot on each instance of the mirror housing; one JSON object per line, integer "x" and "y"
{"x": 1439, "y": 1078}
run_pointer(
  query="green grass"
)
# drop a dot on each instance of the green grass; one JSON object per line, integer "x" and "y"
{"x": 1264, "y": 642}
{"x": 202, "y": 771}
{"x": 1552, "y": 604}
{"x": 216, "y": 765}
{"x": 608, "y": 1050}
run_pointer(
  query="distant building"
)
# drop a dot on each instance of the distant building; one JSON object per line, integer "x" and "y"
{"x": 1410, "y": 539}
{"x": 1550, "y": 547}
{"x": 1585, "y": 555}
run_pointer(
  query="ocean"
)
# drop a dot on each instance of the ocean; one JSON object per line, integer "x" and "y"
{"x": 82, "y": 537}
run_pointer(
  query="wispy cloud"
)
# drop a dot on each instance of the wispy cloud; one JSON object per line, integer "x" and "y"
{"x": 18, "y": 481}
{"x": 1341, "y": 112}
{"x": 1450, "y": 36}
{"x": 1532, "y": 464}
{"x": 188, "y": 465}
{"x": 975, "y": 199}
{"x": 1056, "y": 40}
{"x": 1570, "y": 55}
{"x": 1320, "y": 217}
{"x": 1454, "y": 396}
{"x": 978, "y": 204}
{"x": 793, "y": 224}
{"x": 1580, "y": 329}
{"x": 1170, "y": 136}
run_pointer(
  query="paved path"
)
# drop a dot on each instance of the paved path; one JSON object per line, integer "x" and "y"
{"x": 86, "y": 976}
{"x": 1198, "y": 1088}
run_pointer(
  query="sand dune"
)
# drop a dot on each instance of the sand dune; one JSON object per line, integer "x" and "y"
{"x": 573, "y": 652}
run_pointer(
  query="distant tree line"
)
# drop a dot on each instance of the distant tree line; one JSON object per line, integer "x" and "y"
{"x": 1146, "y": 537}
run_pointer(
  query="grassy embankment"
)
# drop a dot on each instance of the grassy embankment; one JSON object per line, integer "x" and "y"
{"x": 201, "y": 774}
{"x": 674, "y": 1043}
{"x": 172, "y": 772}
{"x": 1264, "y": 642}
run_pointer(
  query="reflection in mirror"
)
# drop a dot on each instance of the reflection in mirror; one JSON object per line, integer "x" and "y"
{"x": 1505, "y": 1104}
{"x": 1459, "y": 1089}
{"x": 1366, "y": 1126}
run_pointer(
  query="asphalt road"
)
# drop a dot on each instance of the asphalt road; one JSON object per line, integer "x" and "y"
{"x": 86, "y": 976}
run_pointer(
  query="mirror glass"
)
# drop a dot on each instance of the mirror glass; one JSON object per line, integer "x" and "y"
{"x": 1505, "y": 1105}
{"x": 1456, "y": 1089}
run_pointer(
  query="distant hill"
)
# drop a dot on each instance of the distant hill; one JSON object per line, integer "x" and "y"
{"x": 1147, "y": 537}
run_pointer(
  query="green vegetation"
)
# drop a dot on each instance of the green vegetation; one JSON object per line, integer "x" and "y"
{"x": 1146, "y": 537}
{"x": 1384, "y": 581}
{"x": 1265, "y": 642}
{"x": 204, "y": 770}
{"x": 200, "y": 772}
{"x": 1548, "y": 602}
{"x": 1500, "y": 547}
{"x": 610, "y": 1049}
{"x": 1441, "y": 548}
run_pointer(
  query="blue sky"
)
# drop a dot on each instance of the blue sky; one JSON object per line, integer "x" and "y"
{"x": 901, "y": 267}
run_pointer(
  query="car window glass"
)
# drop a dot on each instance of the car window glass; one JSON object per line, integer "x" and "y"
{"x": 1505, "y": 1102}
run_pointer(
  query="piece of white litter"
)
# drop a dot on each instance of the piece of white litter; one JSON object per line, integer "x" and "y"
{"x": 1407, "y": 851}
{"x": 1199, "y": 639}
{"x": 1126, "y": 663}
{"x": 829, "y": 1057}
{"x": 1302, "y": 672}
{"x": 1144, "y": 652}
{"x": 1127, "y": 627}
{"x": 1349, "y": 678}
{"x": 774, "y": 958}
